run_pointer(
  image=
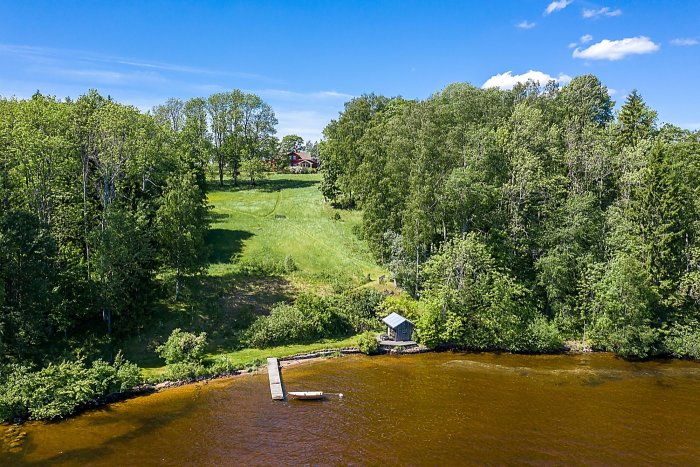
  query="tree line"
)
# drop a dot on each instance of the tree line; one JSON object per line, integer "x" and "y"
{"x": 103, "y": 208}
{"x": 521, "y": 218}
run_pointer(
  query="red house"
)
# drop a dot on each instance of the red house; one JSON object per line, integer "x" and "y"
{"x": 302, "y": 159}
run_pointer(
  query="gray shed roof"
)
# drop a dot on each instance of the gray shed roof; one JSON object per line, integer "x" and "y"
{"x": 394, "y": 320}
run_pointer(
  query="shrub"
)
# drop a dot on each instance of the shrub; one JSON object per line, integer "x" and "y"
{"x": 58, "y": 390}
{"x": 183, "y": 371}
{"x": 262, "y": 267}
{"x": 359, "y": 307}
{"x": 543, "y": 336}
{"x": 183, "y": 346}
{"x": 289, "y": 264}
{"x": 223, "y": 364}
{"x": 368, "y": 344}
{"x": 402, "y": 304}
{"x": 309, "y": 319}
{"x": 683, "y": 341}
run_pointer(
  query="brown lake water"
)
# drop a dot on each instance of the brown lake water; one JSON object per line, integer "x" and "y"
{"x": 428, "y": 409}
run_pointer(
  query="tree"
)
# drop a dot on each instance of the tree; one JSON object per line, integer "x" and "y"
{"x": 222, "y": 116}
{"x": 122, "y": 266}
{"x": 182, "y": 224}
{"x": 27, "y": 277}
{"x": 291, "y": 143}
{"x": 635, "y": 122}
{"x": 172, "y": 114}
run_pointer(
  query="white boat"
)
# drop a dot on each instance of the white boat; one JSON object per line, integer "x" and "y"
{"x": 306, "y": 395}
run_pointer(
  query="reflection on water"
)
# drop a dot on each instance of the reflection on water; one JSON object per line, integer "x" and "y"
{"x": 415, "y": 409}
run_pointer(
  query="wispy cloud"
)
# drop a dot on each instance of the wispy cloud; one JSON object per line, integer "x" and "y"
{"x": 525, "y": 25}
{"x": 616, "y": 50}
{"x": 684, "y": 42}
{"x": 507, "y": 80}
{"x": 585, "y": 39}
{"x": 556, "y": 6}
{"x": 75, "y": 56}
{"x": 605, "y": 11}
{"x": 296, "y": 96}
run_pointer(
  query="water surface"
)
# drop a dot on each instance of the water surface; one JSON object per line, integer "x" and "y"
{"x": 429, "y": 409}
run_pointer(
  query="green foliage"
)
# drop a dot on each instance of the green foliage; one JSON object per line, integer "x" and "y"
{"x": 542, "y": 336}
{"x": 473, "y": 304}
{"x": 183, "y": 347}
{"x": 566, "y": 216}
{"x": 183, "y": 371}
{"x": 291, "y": 143}
{"x": 360, "y": 308}
{"x": 222, "y": 364}
{"x": 310, "y": 318}
{"x": 182, "y": 223}
{"x": 403, "y": 305}
{"x": 59, "y": 390}
{"x": 683, "y": 341}
{"x": 289, "y": 264}
{"x": 368, "y": 343}
{"x": 621, "y": 306}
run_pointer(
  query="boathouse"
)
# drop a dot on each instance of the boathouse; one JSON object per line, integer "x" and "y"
{"x": 398, "y": 327}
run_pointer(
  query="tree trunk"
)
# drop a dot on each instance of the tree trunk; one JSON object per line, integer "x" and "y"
{"x": 221, "y": 169}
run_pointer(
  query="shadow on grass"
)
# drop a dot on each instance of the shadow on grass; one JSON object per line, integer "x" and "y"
{"x": 225, "y": 243}
{"x": 222, "y": 306}
{"x": 268, "y": 185}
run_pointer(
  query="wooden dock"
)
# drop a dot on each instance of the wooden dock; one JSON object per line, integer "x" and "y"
{"x": 274, "y": 374}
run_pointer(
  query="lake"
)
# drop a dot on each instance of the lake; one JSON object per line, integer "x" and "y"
{"x": 427, "y": 409}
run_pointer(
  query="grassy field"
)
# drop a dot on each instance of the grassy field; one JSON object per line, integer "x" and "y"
{"x": 267, "y": 244}
{"x": 285, "y": 217}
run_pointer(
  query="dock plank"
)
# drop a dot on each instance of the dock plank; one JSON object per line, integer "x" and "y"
{"x": 274, "y": 374}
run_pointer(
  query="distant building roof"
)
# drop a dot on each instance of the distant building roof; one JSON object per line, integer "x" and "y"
{"x": 394, "y": 320}
{"x": 302, "y": 155}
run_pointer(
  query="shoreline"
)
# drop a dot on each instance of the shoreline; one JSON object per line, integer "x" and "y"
{"x": 288, "y": 361}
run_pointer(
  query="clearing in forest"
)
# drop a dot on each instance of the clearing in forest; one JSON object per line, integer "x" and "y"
{"x": 283, "y": 226}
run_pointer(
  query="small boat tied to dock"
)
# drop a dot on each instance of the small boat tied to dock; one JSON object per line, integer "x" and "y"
{"x": 307, "y": 395}
{"x": 278, "y": 391}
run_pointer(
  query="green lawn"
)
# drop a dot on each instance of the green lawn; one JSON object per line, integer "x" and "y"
{"x": 256, "y": 357}
{"x": 282, "y": 220}
{"x": 285, "y": 216}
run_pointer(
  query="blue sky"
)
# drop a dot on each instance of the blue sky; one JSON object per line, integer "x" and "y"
{"x": 306, "y": 58}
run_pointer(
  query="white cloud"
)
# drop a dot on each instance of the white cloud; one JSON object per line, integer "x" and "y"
{"x": 616, "y": 50}
{"x": 525, "y": 25}
{"x": 557, "y": 5}
{"x": 572, "y": 44}
{"x": 586, "y": 39}
{"x": 684, "y": 42}
{"x": 605, "y": 11}
{"x": 507, "y": 80}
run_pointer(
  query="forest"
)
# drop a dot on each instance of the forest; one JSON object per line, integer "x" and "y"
{"x": 102, "y": 204}
{"x": 526, "y": 218}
